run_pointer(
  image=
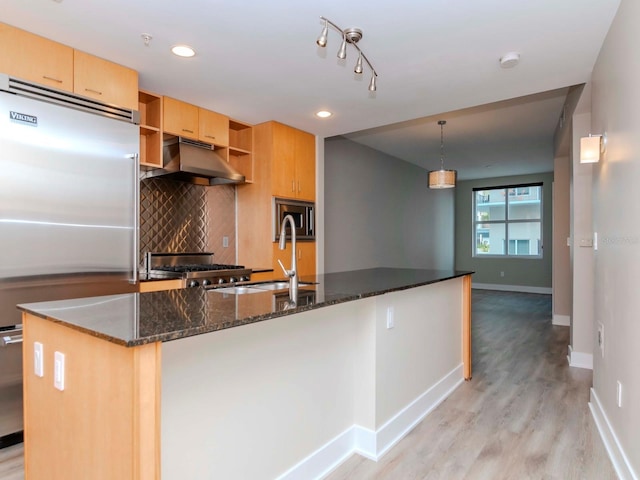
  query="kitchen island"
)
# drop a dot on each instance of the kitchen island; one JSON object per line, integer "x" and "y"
{"x": 164, "y": 384}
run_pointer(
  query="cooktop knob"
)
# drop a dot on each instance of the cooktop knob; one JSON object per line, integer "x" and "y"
{"x": 233, "y": 279}
{"x": 244, "y": 278}
{"x": 193, "y": 283}
{"x": 221, "y": 281}
{"x": 206, "y": 282}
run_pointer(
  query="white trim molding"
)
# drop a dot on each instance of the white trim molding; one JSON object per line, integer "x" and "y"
{"x": 561, "y": 320}
{"x": 370, "y": 444}
{"x": 618, "y": 458}
{"x": 580, "y": 359}
{"x": 512, "y": 288}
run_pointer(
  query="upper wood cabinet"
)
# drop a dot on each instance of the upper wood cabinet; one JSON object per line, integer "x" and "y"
{"x": 293, "y": 166}
{"x": 180, "y": 118}
{"x": 49, "y": 63}
{"x": 213, "y": 127}
{"x": 186, "y": 120}
{"x": 293, "y": 163}
{"x": 105, "y": 81}
{"x": 34, "y": 58}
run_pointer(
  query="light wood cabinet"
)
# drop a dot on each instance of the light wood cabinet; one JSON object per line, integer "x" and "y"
{"x": 213, "y": 127}
{"x": 305, "y": 257}
{"x": 105, "y": 81}
{"x": 293, "y": 166}
{"x": 36, "y": 59}
{"x": 53, "y": 64}
{"x": 241, "y": 148}
{"x": 180, "y": 118}
{"x": 150, "y": 108}
{"x": 275, "y": 148}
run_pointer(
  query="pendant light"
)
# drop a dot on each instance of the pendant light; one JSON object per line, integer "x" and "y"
{"x": 442, "y": 178}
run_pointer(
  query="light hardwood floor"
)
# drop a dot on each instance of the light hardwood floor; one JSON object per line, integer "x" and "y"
{"x": 524, "y": 415}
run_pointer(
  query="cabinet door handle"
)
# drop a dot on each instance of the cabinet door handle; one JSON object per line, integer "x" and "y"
{"x": 57, "y": 80}
{"x": 91, "y": 90}
{"x": 299, "y": 186}
{"x": 293, "y": 185}
{"x": 210, "y": 136}
{"x": 186, "y": 130}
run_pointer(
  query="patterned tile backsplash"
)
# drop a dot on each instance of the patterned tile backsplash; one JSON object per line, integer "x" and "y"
{"x": 182, "y": 217}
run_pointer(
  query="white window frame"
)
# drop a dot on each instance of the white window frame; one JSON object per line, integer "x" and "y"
{"x": 506, "y": 222}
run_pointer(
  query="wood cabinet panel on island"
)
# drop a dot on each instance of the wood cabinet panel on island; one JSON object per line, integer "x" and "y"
{"x": 284, "y": 161}
{"x": 36, "y": 58}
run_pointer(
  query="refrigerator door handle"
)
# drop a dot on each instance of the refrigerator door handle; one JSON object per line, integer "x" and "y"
{"x": 7, "y": 337}
{"x": 136, "y": 215}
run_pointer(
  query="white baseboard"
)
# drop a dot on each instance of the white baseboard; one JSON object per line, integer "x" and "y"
{"x": 404, "y": 421}
{"x": 511, "y": 288}
{"x": 370, "y": 444}
{"x": 580, "y": 359}
{"x": 561, "y": 320}
{"x": 618, "y": 458}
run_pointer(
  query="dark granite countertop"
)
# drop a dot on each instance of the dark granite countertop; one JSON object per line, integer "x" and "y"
{"x": 140, "y": 318}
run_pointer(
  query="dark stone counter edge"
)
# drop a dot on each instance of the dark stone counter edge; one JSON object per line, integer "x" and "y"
{"x": 176, "y": 335}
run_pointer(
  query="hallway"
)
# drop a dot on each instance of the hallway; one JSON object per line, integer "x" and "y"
{"x": 524, "y": 415}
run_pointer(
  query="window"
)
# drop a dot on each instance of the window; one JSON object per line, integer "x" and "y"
{"x": 508, "y": 221}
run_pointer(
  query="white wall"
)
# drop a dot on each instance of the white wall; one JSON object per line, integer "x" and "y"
{"x": 379, "y": 212}
{"x": 616, "y": 217}
{"x": 290, "y": 397}
{"x": 581, "y": 231}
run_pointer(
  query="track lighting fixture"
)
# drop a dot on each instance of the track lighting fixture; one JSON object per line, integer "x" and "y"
{"x": 351, "y": 36}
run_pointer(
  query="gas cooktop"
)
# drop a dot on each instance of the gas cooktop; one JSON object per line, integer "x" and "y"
{"x": 195, "y": 268}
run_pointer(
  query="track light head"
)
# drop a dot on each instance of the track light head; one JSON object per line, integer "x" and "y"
{"x": 322, "y": 39}
{"x": 372, "y": 83}
{"x": 358, "y": 68}
{"x": 342, "y": 53}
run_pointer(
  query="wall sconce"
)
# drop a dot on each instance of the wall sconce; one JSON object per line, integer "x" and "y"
{"x": 592, "y": 148}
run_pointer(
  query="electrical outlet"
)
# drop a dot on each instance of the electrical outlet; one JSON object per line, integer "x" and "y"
{"x": 601, "y": 338}
{"x": 390, "y": 319}
{"x": 38, "y": 359}
{"x": 619, "y": 393}
{"x": 502, "y": 274}
{"x": 225, "y": 242}
{"x": 58, "y": 370}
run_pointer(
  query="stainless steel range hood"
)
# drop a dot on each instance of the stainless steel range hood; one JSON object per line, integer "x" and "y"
{"x": 195, "y": 162}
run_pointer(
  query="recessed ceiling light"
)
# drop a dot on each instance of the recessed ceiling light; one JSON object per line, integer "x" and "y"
{"x": 323, "y": 114}
{"x": 183, "y": 51}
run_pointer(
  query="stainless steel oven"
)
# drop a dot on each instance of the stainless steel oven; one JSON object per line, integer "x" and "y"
{"x": 303, "y": 214}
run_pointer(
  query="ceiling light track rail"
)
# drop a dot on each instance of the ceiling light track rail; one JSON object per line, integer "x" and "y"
{"x": 349, "y": 36}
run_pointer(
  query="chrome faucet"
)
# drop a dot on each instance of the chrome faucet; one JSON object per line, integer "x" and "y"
{"x": 291, "y": 274}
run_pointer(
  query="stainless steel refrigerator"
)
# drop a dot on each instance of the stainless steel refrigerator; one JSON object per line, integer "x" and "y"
{"x": 69, "y": 193}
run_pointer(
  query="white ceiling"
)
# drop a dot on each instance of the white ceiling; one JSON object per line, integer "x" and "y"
{"x": 258, "y": 61}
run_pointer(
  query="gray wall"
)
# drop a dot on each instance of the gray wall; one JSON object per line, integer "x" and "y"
{"x": 517, "y": 272}
{"x": 615, "y": 102}
{"x": 379, "y": 212}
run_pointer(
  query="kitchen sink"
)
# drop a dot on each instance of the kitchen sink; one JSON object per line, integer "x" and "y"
{"x": 258, "y": 287}
{"x": 278, "y": 285}
{"x": 237, "y": 290}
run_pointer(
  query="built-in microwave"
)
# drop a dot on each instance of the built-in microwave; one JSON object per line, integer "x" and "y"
{"x": 303, "y": 214}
